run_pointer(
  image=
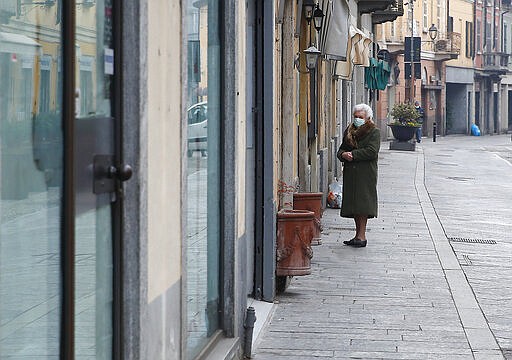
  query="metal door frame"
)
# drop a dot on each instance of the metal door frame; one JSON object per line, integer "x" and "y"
{"x": 264, "y": 237}
{"x": 67, "y": 334}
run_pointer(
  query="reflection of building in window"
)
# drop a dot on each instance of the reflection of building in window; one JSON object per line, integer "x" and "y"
{"x": 86, "y": 85}
{"x": 44, "y": 83}
{"x": 25, "y": 93}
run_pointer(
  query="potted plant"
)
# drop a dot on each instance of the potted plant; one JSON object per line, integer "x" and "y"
{"x": 404, "y": 121}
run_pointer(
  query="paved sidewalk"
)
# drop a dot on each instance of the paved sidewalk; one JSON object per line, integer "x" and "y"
{"x": 402, "y": 297}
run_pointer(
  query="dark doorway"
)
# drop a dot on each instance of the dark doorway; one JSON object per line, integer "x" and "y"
{"x": 477, "y": 108}
{"x": 495, "y": 113}
{"x": 470, "y": 120}
{"x": 509, "y": 110}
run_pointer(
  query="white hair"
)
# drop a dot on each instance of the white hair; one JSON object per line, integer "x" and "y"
{"x": 363, "y": 107}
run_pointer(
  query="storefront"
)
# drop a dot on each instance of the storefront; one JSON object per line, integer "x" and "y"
{"x": 60, "y": 183}
{"x": 123, "y": 185}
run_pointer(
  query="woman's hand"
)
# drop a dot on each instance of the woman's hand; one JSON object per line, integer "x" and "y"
{"x": 347, "y": 155}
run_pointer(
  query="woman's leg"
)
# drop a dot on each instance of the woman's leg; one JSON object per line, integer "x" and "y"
{"x": 361, "y": 221}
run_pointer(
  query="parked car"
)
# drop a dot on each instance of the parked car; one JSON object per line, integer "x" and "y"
{"x": 197, "y": 128}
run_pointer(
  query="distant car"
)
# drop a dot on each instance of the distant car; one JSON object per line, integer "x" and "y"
{"x": 197, "y": 128}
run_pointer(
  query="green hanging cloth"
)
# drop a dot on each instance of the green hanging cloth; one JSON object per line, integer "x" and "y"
{"x": 383, "y": 71}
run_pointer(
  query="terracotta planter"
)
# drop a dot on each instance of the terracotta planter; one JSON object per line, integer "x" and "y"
{"x": 294, "y": 232}
{"x": 311, "y": 202}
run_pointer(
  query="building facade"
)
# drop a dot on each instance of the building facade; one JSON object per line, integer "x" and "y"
{"x": 146, "y": 150}
{"x": 459, "y": 72}
{"x": 491, "y": 65}
{"x": 436, "y": 43}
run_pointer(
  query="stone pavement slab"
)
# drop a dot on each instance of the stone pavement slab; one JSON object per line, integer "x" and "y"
{"x": 390, "y": 300}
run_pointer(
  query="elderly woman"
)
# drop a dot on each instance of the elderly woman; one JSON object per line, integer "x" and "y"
{"x": 359, "y": 153}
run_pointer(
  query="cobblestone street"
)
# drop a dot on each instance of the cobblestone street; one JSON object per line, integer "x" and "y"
{"x": 434, "y": 281}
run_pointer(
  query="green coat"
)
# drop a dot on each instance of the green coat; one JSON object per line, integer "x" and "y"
{"x": 360, "y": 174}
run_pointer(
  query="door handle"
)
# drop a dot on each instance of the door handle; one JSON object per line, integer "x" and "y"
{"x": 123, "y": 173}
{"x": 106, "y": 174}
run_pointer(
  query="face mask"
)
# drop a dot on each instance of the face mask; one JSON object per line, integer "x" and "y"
{"x": 358, "y": 122}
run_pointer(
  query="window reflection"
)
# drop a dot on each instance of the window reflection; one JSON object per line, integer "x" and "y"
{"x": 94, "y": 136}
{"x": 202, "y": 118}
{"x": 30, "y": 180}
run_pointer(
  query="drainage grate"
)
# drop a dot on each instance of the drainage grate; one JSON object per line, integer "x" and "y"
{"x": 507, "y": 353}
{"x": 344, "y": 228}
{"x": 444, "y": 163}
{"x": 467, "y": 259}
{"x": 460, "y": 178}
{"x": 474, "y": 241}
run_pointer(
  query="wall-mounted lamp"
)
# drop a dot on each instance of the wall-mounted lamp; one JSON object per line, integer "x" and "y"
{"x": 318, "y": 18}
{"x": 308, "y": 6}
{"x": 432, "y": 32}
{"x": 312, "y": 55}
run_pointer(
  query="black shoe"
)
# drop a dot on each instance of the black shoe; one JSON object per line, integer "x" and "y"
{"x": 349, "y": 242}
{"x": 359, "y": 243}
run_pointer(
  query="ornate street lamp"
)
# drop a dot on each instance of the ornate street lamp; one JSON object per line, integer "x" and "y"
{"x": 432, "y": 32}
{"x": 308, "y": 6}
{"x": 312, "y": 54}
{"x": 318, "y": 18}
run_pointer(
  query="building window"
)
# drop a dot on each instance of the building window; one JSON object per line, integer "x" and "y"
{"x": 478, "y": 36}
{"x": 505, "y": 47}
{"x": 488, "y": 36}
{"x": 425, "y": 15}
{"x": 439, "y": 12}
{"x": 470, "y": 50}
{"x": 495, "y": 37}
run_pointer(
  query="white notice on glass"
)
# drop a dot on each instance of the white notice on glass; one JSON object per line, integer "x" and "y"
{"x": 109, "y": 61}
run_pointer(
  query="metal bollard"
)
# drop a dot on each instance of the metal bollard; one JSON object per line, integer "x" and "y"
{"x": 434, "y": 132}
{"x": 250, "y": 319}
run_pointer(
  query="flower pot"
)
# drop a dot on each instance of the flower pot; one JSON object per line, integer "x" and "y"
{"x": 403, "y": 133}
{"x": 311, "y": 202}
{"x": 294, "y": 233}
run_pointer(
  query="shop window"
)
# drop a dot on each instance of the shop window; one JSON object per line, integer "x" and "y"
{"x": 202, "y": 118}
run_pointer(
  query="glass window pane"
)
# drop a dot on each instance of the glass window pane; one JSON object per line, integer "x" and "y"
{"x": 203, "y": 181}
{"x": 94, "y": 136}
{"x": 30, "y": 180}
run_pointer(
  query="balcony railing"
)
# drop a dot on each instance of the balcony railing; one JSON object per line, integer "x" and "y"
{"x": 393, "y": 11}
{"x": 451, "y": 44}
{"x": 369, "y": 6}
{"x": 495, "y": 61}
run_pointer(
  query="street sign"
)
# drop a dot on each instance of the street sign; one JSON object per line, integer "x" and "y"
{"x": 416, "y": 45}
{"x": 417, "y": 70}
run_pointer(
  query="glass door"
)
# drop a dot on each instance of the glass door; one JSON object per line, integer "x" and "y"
{"x": 31, "y": 180}
{"x": 94, "y": 180}
{"x": 56, "y": 210}
{"x": 202, "y": 245}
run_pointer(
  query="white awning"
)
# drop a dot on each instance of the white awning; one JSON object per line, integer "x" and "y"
{"x": 19, "y": 44}
{"x": 335, "y": 32}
